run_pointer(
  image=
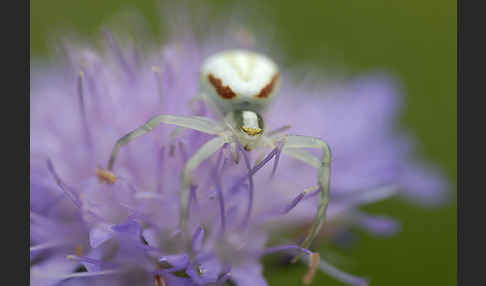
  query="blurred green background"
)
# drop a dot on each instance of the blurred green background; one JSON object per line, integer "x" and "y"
{"x": 413, "y": 40}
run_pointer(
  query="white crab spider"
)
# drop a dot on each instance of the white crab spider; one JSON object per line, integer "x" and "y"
{"x": 239, "y": 84}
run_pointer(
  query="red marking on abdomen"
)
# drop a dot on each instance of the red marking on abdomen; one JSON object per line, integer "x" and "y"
{"x": 223, "y": 91}
{"x": 265, "y": 92}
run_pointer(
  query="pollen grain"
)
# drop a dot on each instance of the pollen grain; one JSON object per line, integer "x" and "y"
{"x": 105, "y": 176}
{"x": 78, "y": 250}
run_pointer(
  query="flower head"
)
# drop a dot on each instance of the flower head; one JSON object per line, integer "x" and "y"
{"x": 122, "y": 227}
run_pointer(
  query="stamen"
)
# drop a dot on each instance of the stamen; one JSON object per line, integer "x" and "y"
{"x": 263, "y": 162}
{"x": 377, "y": 194}
{"x": 197, "y": 239}
{"x": 224, "y": 276}
{"x": 294, "y": 203}
{"x": 158, "y": 80}
{"x": 35, "y": 217}
{"x": 235, "y": 153}
{"x": 313, "y": 260}
{"x": 183, "y": 151}
{"x": 86, "y": 65}
{"x": 84, "y": 259}
{"x": 314, "y": 263}
{"x": 172, "y": 138}
{"x": 192, "y": 198}
{"x": 171, "y": 150}
{"x": 367, "y": 196}
{"x": 286, "y": 248}
{"x": 260, "y": 158}
{"x": 82, "y": 110}
{"x": 67, "y": 190}
{"x": 118, "y": 52}
{"x": 224, "y": 164}
{"x": 251, "y": 172}
{"x": 277, "y": 157}
{"x": 81, "y": 95}
{"x": 105, "y": 176}
{"x": 73, "y": 275}
{"x": 44, "y": 246}
{"x": 375, "y": 224}
{"x": 250, "y": 191}
{"x": 160, "y": 173}
{"x": 175, "y": 262}
{"x": 219, "y": 190}
{"x": 311, "y": 191}
{"x": 340, "y": 275}
{"x": 78, "y": 250}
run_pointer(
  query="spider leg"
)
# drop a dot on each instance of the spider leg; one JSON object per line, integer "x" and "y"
{"x": 293, "y": 145}
{"x": 304, "y": 156}
{"x": 279, "y": 130}
{"x": 199, "y": 123}
{"x": 208, "y": 149}
{"x": 234, "y": 153}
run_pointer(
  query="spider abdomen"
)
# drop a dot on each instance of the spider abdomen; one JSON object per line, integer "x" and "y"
{"x": 239, "y": 80}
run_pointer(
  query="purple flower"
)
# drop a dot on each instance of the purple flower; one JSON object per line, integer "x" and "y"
{"x": 91, "y": 226}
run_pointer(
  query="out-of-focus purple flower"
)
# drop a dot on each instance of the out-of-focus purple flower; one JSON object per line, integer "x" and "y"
{"x": 89, "y": 228}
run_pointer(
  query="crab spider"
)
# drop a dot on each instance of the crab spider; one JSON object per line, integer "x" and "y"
{"x": 239, "y": 84}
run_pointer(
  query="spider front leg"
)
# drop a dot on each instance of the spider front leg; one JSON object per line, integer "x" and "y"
{"x": 293, "y": 145}
{"x": 208, "y": 149}
{"x": 198, "y": 123}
